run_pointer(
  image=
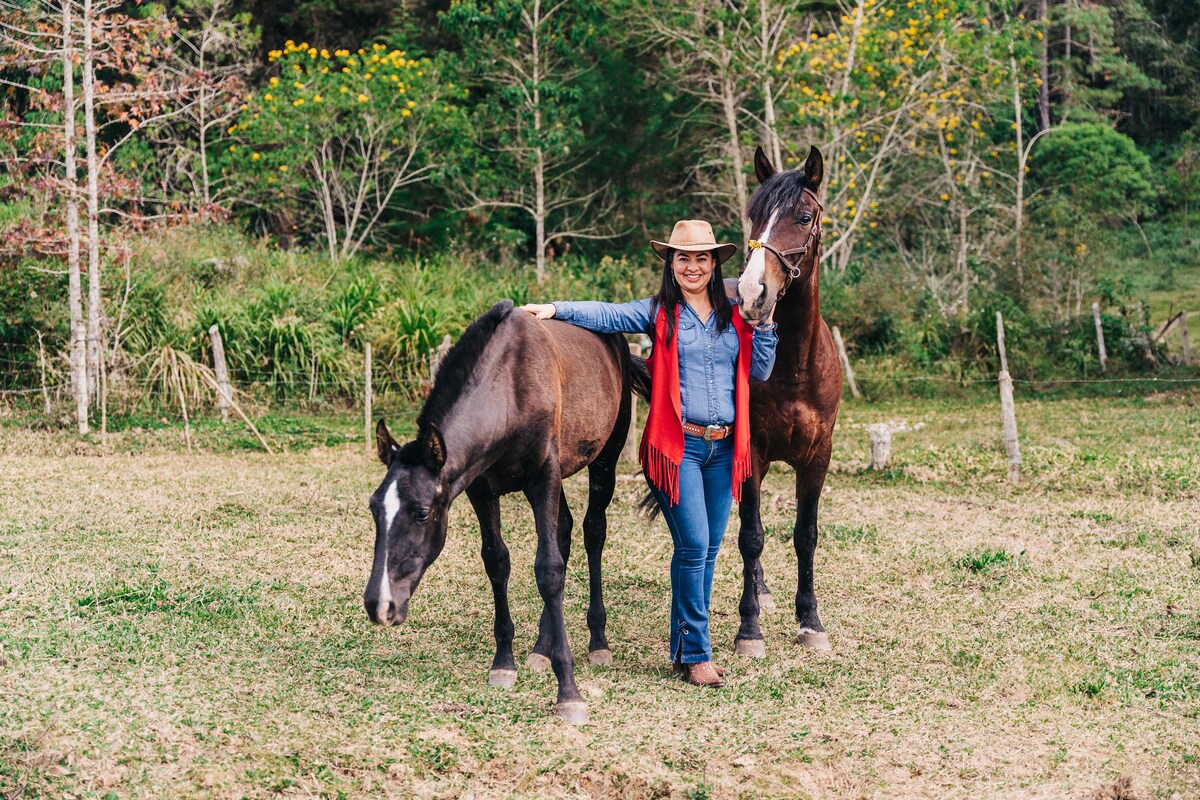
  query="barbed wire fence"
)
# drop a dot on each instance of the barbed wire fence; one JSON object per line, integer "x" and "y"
{"x": 29, "y": 370}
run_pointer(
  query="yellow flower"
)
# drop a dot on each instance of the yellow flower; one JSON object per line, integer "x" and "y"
{"x": 283, "y": 167}
{"x": 232, "y": 148}
{"x": 362, "y": 98}
{"x": 945, "y": 197}
{"x": 404, "y": 112}
{"x": 268, "y": 97}
{"x": 255, "y": 156}
{"x": 317, "y": 98}
{"x": 298, "y": 102}
{"x": 274, "y": 82}
{"x": 412, "y": 104}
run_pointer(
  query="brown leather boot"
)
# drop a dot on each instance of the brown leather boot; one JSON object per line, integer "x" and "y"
{"x": 703, "y": 674}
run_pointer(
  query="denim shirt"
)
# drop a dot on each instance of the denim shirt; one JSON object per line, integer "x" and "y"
{"x": 707, "y": 357}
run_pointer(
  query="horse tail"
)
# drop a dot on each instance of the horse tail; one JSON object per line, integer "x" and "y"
{"x": 639, "y": 375}
{"x": 649, "y": 508}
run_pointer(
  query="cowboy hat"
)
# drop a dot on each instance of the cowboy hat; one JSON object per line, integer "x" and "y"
{"x": 694, "y": 235}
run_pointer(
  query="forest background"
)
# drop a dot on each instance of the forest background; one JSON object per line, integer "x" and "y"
{"x": 312, "y": 177}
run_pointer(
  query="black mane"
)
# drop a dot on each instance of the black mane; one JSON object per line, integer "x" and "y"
{"x": 783, "y": 190}
{"x": 459, "y": 364}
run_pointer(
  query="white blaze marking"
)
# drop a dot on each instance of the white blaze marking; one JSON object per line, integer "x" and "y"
{"x": 750, "y": 285}
{"x": 391, "y": 507}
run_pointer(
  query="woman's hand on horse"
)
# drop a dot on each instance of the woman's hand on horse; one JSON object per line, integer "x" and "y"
{"x": 540, "y": 310}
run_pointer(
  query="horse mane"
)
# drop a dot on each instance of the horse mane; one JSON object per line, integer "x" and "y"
{"x": 459, "y": 364}
{"x": 783, "y": 190}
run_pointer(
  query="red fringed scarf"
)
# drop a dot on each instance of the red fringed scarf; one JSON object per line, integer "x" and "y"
{"x": 661, "y": 451}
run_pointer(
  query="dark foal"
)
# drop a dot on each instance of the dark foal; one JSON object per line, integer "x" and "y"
{"x": 793, "y": 413}
{"x": 512, "y": 410}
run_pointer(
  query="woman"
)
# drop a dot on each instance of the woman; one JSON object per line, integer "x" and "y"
{"x": 696, "y": 446}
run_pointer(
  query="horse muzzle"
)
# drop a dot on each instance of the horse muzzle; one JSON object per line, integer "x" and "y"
{"x": 387, "y": 612}
{"x": 387, "y": 605}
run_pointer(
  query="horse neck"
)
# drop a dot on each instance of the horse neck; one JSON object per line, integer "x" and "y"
{"x": 798, "y": 314}
{"x": 473, "y": 439}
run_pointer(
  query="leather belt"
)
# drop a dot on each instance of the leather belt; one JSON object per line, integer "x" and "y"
{"x": 709, "y": 433}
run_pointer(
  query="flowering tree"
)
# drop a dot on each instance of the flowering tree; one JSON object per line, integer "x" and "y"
{"x": 910, "y": 87}
{"x": 346, "y": 131}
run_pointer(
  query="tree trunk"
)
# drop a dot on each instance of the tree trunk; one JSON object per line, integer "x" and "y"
{"x": 729, "y": 106}
{"x": 79, "y": 384}
{"x": 1044, "y": 70}
{"x": 93, "y": 200}
{"x": 1019, "y": 210}
{"x": 770, "y": 134}
{"x": 539, "y": 169}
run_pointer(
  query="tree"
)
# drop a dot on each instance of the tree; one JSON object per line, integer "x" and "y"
{"x": 212, "y": 49}
{"x": 346, "y": 132}
{"x": 529, "y": 55}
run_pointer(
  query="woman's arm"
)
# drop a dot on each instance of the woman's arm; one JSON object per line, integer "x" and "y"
{"x": 596, "y": 316}
{"x": 762, "y": 354}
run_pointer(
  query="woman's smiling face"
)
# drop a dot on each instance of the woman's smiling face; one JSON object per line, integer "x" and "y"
{"x": 692, "y": 270}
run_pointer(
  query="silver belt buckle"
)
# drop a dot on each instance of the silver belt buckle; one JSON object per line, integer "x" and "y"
{"x": 710, "y": 430}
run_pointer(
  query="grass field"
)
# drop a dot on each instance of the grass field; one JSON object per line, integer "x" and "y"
{"x": 177, "y": 625}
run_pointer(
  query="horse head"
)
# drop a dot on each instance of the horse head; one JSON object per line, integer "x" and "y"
{"x": 410, "y": 509}
{"x": 785, "y": 233}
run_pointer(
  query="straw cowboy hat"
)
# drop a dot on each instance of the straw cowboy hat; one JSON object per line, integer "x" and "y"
{"x": 694, "y": 235}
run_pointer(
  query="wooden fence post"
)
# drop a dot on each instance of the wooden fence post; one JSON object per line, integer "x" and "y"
{"x": 224, "y": 396}
{"x": 1187, "y": 345}
{"x": 436, "y": 356}
{"x": 42, "y": 364}
{"x": 630, "y": 451}
{"x": 1008, "y": 413}
{"x": 881, "y": 444}
{"x": 1100, "y": 337}
{"x": 367, "y": 401}
{"x": 846, "y": 368}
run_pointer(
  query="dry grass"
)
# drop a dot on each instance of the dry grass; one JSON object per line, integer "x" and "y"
{"x": 191, "y": 627}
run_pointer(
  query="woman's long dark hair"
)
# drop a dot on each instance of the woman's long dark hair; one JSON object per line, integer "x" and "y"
{"x": 669, "y": 295}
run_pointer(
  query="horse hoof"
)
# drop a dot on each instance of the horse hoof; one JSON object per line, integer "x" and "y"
{"x": 766, "y": 602}
{"x": 750, "y": 648}
{"x": 814, "y": 640}
{"x": 573, "y": 712}
{"x": 537, "y": 662}
{"x": 502, "y": 678}
{"x": 601, "y": 658}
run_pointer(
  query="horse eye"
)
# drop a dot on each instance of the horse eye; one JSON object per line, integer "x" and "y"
{"x": 805, "y": 218}
{"x": 421, "y": 514}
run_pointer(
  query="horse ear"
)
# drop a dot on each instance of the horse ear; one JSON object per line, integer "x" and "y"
{"x": 763, "y": 167}
{"x": 435, "y": 448}
{"x": 385, "y": 445}
{"x": 814, "y": 167}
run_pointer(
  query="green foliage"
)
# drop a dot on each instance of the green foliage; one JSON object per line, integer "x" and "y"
{"x": 1102, "y": 170}
{"x": 335, "y": 136}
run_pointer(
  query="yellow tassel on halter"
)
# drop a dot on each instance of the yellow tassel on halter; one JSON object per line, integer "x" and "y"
{"x": 754, "y": 244}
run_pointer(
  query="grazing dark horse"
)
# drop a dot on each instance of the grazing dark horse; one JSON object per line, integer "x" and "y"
{"x": 511, "y": 410}
{"x": 792, "y": 414}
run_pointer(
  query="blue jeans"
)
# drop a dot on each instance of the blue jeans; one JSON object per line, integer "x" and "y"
{"x": 697, "y": 526}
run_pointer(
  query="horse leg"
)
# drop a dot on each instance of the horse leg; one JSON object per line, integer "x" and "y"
{"x": 809, "y": 481}
{"x": 539, "y": 658}
{"x": 602, "y": 481}
{"x": 544, "y": 492}
{"x": 766, "y": 600}
{"x": 498, "y": 566}
{"x": 749, "y": 639}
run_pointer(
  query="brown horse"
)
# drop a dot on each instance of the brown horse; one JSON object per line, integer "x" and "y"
{"x": 792, "y": 413}
{"x": 511, "y": 411}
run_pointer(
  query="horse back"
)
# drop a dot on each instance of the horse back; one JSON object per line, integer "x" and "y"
{"x": 582, "y": 378}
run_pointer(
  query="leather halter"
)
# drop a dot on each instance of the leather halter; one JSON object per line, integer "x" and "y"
{"x": 813, "y": 241}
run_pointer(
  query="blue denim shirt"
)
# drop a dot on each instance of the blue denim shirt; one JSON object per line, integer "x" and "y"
{"x": 707, "y": 357}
